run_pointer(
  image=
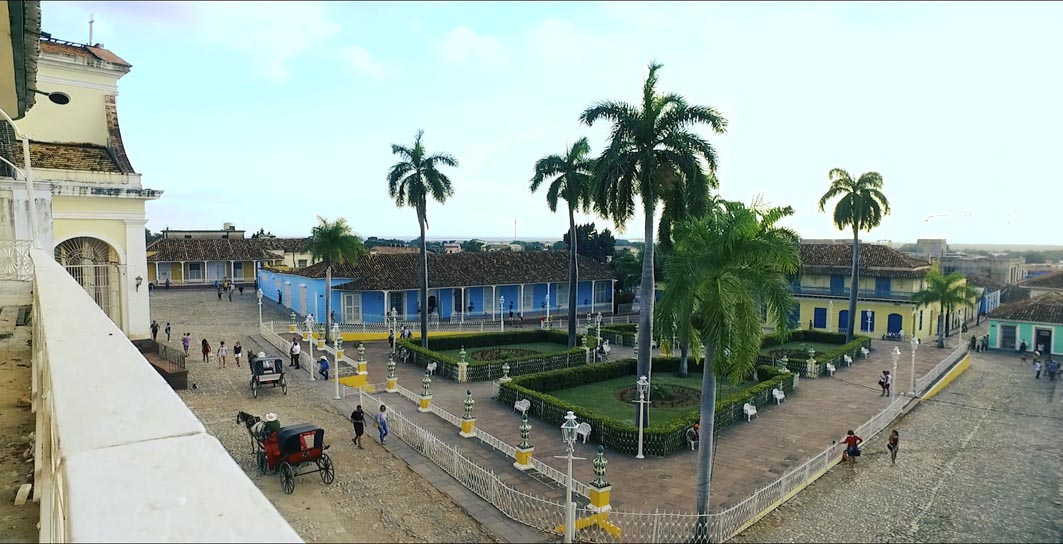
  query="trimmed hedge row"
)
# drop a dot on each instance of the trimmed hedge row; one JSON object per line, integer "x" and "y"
{"x": 489, "y": 370}
{"x": 659, "y": 437}
{"x": 834, "y": 356}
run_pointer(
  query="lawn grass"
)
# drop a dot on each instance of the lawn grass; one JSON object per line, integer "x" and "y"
{"x": 820, "y": 347}
{"x": 602, "y": 396}
{"x": 541, "y": 347}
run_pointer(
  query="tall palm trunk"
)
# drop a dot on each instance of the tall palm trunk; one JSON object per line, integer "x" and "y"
{"x": 328, "y": 303}
{"x": 703, "y": 481}
{"x": 646, "y": 305}
{"x": 684, "y": 348}
{"x": 854, "y": 286}
{"x": 573, "y": 278}
{"x": 424, "y": 280}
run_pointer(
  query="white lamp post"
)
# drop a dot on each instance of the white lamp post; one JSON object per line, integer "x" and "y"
{"x": 915, "y": 346}
{"x": 501, "y": 314}
{"x": 548, "y": 305}
{"x": 259, "y": 294}
{"x": 598, "y": 322}
{"x": 337, "y": 345}
{"x": 643, "y": 386}
{"x": 568, "y": 435}
{"x": 893, "y": 378}
{"x": 310, "y": 344}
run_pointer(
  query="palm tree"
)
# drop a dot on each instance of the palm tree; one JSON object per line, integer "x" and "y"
{"x": 861, "y": 207}
{"x": 571, "y": 175}
{"x": 333, "y": 243}
{"x": 410, "y": 182}
{"x": 652, "y": 150}
{"x": 724, "y": 267}
{"x": 947, "y": 290}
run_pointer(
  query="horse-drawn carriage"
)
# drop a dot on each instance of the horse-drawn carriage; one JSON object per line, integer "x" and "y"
{"x": 287, "y": 449}
{"x": 267, "y": 370}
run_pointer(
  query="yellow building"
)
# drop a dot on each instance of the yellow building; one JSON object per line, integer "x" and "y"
{"x": 198, "y": 257}
{"x": 888, "y": 279}
{"x": 87, "y": 204}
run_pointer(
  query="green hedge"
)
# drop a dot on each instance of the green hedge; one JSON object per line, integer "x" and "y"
{"x": 660, "y": 437}
{"x": 489, "y": 370}
{"x": 799, "y": 364}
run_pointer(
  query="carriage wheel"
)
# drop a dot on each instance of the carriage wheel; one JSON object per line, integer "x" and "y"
{"x": 328, "y": 472}
{"x": 260, "y": 459}
{"x": 284, "y": 385}
{"x": 287, "y": 478}
{"x": 254, "y": 388}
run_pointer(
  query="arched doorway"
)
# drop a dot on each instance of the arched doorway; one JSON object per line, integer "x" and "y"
{"x": 894, "y": 323}
{"x": 94, "y": 264}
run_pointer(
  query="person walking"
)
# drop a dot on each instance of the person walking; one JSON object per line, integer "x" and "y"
{"x": 323, "y": 365}
{"x": 219, "y": 291}
{"x": 154, "y": 330}
{"x": 852, "y": 447}
{"x": 241, "y": 288}
{"x": 205, "y": 347}
{"x": 167, "y": 329}
{"x": 391, "y": 338}
{"x": 238, "y": 351}
{"x": 883, "y": 382}
{"x": 382, "y": 423}
{"x": 893, "y": 445}
{"x": 294, "y": 351}
{"x": 1052, "y": 367}
{"x": 358, "y": 420}
{"x": 1036, "y": 369}
{"x": 230, "y": 293}
{"x": 223, "y": 354}
{"x": 186, "y": 342}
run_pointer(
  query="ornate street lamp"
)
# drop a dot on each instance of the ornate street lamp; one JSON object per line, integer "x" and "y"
{"x": 568, "y": 436}
{"x": 259, "y": 294}
{"x": 643, "y": 386}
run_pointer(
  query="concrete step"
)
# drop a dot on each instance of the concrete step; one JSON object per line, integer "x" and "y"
{"x": 8, "y": 320}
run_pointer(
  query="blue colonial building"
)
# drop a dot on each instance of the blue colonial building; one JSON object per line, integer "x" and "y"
{"x": 460, "y": 286}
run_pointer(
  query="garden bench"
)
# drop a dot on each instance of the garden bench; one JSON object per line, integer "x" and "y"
{"x": 431, "y": 368}
{"x": 692, "y": 438}
{"x": 778, "y": 395}
{"x": 864, "y": 351}
{"x": 831, "y": 369}
{"x": 584, "y": 430}
{"x": 522, "y": 406}
{"x": 848, "y": 360}
{"x": 749, "y": 410}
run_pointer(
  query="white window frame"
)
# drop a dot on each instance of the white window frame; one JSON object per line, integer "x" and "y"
{"x": 352, "y": 307}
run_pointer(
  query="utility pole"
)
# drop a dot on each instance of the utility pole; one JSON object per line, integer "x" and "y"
{"x": 92, "y": 19}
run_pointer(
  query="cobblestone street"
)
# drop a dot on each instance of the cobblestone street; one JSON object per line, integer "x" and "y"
{"x": 375, "y": 497}
{"x": 980, "y": 462}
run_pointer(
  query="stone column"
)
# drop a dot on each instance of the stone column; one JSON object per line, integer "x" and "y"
{"x": 468, "y": 422}
{"x": 524, "y": 449}
{"x": 600, "y": 489}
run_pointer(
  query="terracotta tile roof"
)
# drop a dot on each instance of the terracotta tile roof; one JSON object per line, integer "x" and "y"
{"x": 83, "y": 51}
{"x": 207, "y": 249}
{"x": 377, "y": 272}
{"x": 984, "y": 281}
{"x": 875, "y": 259}
{"x": 392, "y": 250}
{"x": 1047, "y": 281}
{"x": 1043, "y": 309}
{"x": 291, "y": 245}
{"x": 66, "y": 156}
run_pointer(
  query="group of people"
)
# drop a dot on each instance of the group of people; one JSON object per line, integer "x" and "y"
{"x": 167, "y": 330}
{"x": 979, "y": 343}
{"x": 295, "y": 351}
{"x": 227, "y": 287}
{"x": 885, "y": 382}
{"x": 358, "y": 420}
{"x": 222, "y": 355}
{"x": 404, "y": 334}
{"x": 852, "y": 446}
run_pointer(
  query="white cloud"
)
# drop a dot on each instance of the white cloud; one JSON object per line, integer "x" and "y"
{"x": 464, "y": 45}
{"x": 362, "y": 62}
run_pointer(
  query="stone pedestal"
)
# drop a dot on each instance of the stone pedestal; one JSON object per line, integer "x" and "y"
{"x": 468, "y": 428}
{"x": 424, "y": 405}
{"x": 524, "y": 459}
{"x": 463, "y": 372}
{"x": 599, "y": 497}
{"x": 392, "y": 385}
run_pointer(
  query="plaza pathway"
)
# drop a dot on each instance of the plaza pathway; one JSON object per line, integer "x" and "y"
{"x": 749, "y": 456}
{"x": 980, "y": 462}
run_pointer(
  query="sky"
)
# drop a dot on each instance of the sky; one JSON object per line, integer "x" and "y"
{"x": 271, "y": 114}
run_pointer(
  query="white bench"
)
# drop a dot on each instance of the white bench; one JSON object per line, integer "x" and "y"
{"x": 691, "y": 440}
{"x": 584, "y": 430}
{"x": 831, "y": 369}
{"x": 431, "y": 368}
{"x": 864, "y": 351}
{"x": 848, "y": 360}
{"x": 778, "y": 395}
{"x": 522, "y": 406}
{"x": 749, "y": 410}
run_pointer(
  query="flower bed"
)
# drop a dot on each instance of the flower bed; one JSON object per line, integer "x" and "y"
{"x": 480, "y": 370}
{"x": 660, "y": 437}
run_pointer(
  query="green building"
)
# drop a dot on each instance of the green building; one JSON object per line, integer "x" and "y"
{"x": 1037, "y": 321}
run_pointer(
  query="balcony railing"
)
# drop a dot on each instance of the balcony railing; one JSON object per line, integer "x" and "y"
{"x": 118, "y": 456}
{"x": 867, "y": 294}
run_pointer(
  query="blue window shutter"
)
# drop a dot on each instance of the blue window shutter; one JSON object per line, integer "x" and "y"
{"x": 843, "y": 320}
{"x": 837, "y": 284}
{"x": 819, "y": 319}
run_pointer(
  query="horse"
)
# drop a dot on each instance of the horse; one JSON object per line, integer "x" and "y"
{"x": 254, "y": 425}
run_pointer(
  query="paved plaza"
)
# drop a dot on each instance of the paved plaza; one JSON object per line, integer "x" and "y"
{"x": 749, "y": 455}
{"x": 980, "y": 462}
